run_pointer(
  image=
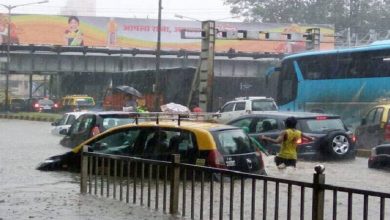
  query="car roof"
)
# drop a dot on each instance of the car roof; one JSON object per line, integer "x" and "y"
{"x": 286, "y": 114}
{"x": 77, "y": 114}
{"x": 250, "y": 99}
{"x": 187, "y": 125}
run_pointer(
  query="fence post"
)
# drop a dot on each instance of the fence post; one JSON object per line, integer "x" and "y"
{"x": 318, "y": 193}
{"x": 84, "y": 171}
{"x": 175, "y": 180}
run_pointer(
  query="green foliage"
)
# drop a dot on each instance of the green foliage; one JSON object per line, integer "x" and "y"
{"x": 359, "y": 15}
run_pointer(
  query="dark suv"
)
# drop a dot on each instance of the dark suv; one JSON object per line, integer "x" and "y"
{"x": 332, "y": 138}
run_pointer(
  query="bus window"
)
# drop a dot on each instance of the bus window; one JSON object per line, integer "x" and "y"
{"x": 287, "y": 86}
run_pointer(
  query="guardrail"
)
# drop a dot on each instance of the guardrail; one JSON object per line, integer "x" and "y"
{"x": 203, "y": 192}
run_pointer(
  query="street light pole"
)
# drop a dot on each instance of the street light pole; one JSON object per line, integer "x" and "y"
{"x": 9, "y": 8}
{"x": 158, "y": 51}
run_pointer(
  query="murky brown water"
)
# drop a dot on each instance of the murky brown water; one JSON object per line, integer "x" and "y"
{"x": 26, "y": 193}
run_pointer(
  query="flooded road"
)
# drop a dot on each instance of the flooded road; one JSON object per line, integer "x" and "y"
{"x": 26, "y": 193}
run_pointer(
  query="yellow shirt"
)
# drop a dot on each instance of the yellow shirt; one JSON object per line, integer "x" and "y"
{"x": 289, "y": 146}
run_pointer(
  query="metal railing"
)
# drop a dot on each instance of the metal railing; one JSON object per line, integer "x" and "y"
{"x": 203, "y": 192}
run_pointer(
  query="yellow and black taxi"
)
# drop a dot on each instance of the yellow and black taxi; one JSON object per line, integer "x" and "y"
{"x": 77, "y": 102}
{"x": 374, "y": 128}
{"x": 201, "y": 143}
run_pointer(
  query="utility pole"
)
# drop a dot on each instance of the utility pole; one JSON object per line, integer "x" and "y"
{"x": 158, "y": 50}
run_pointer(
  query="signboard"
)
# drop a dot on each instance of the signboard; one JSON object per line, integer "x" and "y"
{"x": 142, "y": 33}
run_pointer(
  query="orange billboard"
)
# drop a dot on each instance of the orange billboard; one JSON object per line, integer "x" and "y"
{"x": 142, "y": 33}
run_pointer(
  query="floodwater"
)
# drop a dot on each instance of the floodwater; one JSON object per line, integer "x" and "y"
{"x": 26, "y": 193}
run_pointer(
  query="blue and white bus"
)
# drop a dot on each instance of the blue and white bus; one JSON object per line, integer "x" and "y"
{"x": 345, "y": 81}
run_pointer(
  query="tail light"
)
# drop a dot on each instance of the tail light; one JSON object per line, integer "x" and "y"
{"x": 55, "y": 105}
{"x": 353, "y": 138}
{"x": 36, "y": 105}
{"x": 303, "y": 140}
{"x": 387, "y": 132}
{"x": 215, "y": 159}
{"x": 95, "y": 131}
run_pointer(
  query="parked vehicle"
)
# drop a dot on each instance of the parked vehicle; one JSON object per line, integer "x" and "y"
{"x": 61, "y": 126}
{"x": 92, "y": 123}
{"x": 380, "y": 157}
{"x": 18, "y": 104}
{"x": 374, "y": 128}
{"x": 244, "y": 105}
{"x": 332, "y": 138}
{"x": 77, "y": 102}
{"x": 45, "y": 105}
{"x": 208, "y": 144}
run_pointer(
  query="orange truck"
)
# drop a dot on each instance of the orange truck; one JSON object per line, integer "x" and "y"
{"x": 115, "y": 99}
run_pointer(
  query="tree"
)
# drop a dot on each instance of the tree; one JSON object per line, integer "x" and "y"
{"x": 359, "y": 15}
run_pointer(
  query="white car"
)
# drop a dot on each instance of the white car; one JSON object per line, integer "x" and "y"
{"x": 65, "y": 122}
{"x": 244, "y": 105}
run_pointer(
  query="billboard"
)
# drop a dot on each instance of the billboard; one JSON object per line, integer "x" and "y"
{"x": 142, "y": 33}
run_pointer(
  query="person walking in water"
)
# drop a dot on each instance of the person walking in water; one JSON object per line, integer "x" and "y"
{"x": 288, "y": 139}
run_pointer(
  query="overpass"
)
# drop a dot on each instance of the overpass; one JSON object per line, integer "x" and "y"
{"x": 60, "y": 62}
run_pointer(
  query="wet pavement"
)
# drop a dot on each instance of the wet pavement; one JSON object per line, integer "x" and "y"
{"x": 26, "y": 193}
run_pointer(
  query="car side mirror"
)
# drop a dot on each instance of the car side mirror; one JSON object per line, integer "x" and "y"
{"x": 364, "y": 121}
{"x": 64, "y": 131}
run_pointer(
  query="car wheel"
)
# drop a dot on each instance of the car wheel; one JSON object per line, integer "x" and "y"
{"x": 339, "y": 145}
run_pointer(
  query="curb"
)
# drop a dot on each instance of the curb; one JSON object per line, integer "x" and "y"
{"x": 26, "y": 117}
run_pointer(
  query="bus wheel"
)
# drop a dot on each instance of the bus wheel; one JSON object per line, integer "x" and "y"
{"x": 339, "y": 145}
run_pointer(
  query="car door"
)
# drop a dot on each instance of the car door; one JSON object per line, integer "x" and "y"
{"x": 239, "y": 109}
{"x": 82, "y": 131}
{"x": 368, "y": 131}
{"x": 256, "y": 126}
{"x": 375, "y": 130}
{"x": 226, "y": 112}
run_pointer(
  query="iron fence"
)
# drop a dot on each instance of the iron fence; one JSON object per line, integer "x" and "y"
{"x": 201, "y": 192}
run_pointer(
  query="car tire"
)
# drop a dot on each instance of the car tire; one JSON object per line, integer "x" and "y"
{"x": 339, "y": 146}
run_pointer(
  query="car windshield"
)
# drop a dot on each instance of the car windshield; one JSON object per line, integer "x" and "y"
{"x": 233, "y": 142}
{"x": 263, "y": 105}
{"x": 46, "y": 102}
{"x": 320, "y": 125}
{"x": 84, "y": 101}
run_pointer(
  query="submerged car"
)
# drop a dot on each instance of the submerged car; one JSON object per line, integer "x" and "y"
{"x": 380, "y": 157}
{"x": 201, "y": 143}
{"x": 332, "y": 138}
{"x": 92, "y": 123}
{"x": 62, "y": 125}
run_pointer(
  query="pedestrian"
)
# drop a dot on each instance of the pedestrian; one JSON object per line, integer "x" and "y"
{"x": 288, "y": 139}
